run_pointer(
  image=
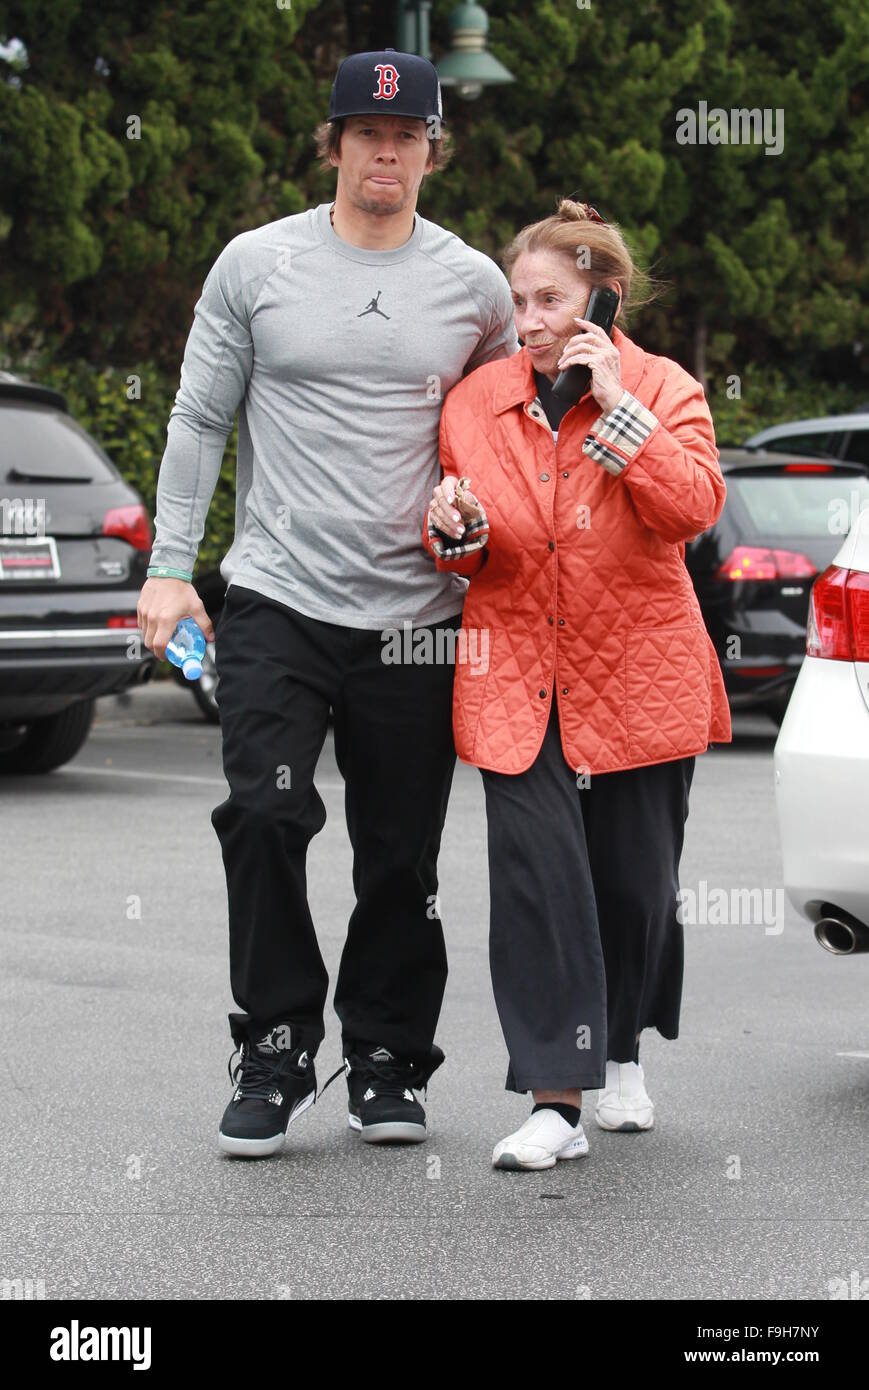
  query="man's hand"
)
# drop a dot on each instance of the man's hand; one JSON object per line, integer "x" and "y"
{"x": 162, "y": 605}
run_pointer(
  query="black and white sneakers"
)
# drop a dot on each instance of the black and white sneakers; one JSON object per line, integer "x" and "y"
{"x": 383, "y": 1105}
{"x": 275, "y": 1082}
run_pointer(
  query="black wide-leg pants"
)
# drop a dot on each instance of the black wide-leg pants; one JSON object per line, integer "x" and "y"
{"x": 585, "y": 946}
{"x": 279, "y": 672}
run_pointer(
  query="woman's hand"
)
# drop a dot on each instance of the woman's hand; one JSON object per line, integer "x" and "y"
{"x": 443, "y": 511}
{"x": 592, "y": 347}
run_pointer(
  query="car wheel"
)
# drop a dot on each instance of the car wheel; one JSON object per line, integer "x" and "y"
{"x": 52, "y": 741}
{"x": 205, "y": 688}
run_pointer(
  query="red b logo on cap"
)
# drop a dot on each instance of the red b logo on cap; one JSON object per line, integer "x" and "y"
{"x": 387, "y": 82}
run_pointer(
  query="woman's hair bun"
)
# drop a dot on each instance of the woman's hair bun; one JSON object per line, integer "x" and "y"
{"x": 573, "y": 212}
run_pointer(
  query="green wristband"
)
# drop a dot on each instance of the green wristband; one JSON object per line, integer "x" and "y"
{"x": 166, "y": 572}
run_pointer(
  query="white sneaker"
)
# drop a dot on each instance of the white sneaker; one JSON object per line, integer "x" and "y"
{"x": 544, "y": 1138}
{"x": 624, "y": 1104}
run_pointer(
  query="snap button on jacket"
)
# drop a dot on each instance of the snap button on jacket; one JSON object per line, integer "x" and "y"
{"x": 636, "y": 672}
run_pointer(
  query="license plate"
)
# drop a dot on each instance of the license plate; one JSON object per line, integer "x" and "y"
{"x": 28, "y": 558}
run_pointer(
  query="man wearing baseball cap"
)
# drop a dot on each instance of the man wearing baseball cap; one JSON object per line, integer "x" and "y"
{"x": 336, "y": 333}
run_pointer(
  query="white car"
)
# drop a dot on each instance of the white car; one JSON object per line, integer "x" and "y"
{"x": 827, "y": 436}
{"x": 821, "y": 757}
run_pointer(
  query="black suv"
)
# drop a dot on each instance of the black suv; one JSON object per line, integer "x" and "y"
{"x": 75, "y": 540}
{"x": 784, "y": 519}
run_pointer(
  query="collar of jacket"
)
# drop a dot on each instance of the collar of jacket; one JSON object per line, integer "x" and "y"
{"x": 516, "y": 384}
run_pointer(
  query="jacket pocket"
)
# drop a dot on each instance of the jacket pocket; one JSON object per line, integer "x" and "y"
{"x": 667, "y": 694}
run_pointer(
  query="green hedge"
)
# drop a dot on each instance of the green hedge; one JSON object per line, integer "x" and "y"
{"x": 769, "y": 398}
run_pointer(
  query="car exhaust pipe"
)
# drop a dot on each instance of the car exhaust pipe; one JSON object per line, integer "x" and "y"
{"x": 841, "y": 937}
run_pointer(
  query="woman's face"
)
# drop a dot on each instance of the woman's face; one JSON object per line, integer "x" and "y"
{"x": 547, "y": 291}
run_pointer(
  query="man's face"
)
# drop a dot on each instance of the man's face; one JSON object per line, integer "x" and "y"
{"x": 382, "y": 162}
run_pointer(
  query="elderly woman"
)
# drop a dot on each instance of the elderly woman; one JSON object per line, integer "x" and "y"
{"x": 601, "y": 684}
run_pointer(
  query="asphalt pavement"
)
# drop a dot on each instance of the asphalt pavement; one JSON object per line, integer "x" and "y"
{"x": 115, "y": 1043}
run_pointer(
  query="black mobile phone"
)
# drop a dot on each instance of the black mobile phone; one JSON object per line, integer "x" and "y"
{"x": 601, "y": 309}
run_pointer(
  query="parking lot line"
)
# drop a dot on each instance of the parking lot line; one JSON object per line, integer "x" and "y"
{"x": 142, "y": 776}
{"x": 324, "y": 784}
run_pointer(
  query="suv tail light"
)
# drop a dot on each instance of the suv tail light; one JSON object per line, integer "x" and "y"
{"x": 129, "y": 524}
{"x": 757, "y": 562}
{"x": 839, "y": 616}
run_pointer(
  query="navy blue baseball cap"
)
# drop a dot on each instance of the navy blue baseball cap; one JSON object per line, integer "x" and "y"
{"x": 387, "y": 83}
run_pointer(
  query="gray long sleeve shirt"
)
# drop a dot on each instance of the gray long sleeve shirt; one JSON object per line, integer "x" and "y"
{"x": 338, "y": 360}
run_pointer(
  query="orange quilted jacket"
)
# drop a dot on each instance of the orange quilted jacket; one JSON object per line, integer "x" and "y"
{"x": 582, "y": 588}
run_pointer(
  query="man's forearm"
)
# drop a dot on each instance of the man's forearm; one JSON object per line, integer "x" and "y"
{"x": 188, "y": 476}
{"x": 218, "y": 359}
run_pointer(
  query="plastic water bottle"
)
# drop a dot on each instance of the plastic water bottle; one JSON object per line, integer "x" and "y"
{"x": 186, "y": 648}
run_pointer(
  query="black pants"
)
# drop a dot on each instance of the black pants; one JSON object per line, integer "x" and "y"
{"x": 584, "y": 943}
{"x": 278, "y": 674}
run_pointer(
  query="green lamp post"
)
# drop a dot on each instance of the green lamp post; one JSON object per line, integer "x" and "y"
{"x": 468, "y": 67}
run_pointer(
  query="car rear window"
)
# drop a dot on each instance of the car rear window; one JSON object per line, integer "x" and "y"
{"x": 801, "y": 504}
{"x": 44, "y": 445}
{"x": 816, "y": 445}
{"x": 857, "y": 447}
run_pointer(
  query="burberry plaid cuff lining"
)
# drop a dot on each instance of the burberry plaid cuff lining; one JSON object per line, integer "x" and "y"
{"x": 627, "y": 426}
{"x": 447, "y": 548}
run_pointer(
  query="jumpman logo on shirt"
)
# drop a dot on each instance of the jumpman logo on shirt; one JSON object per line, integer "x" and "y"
{"x": 372, "y": 308}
